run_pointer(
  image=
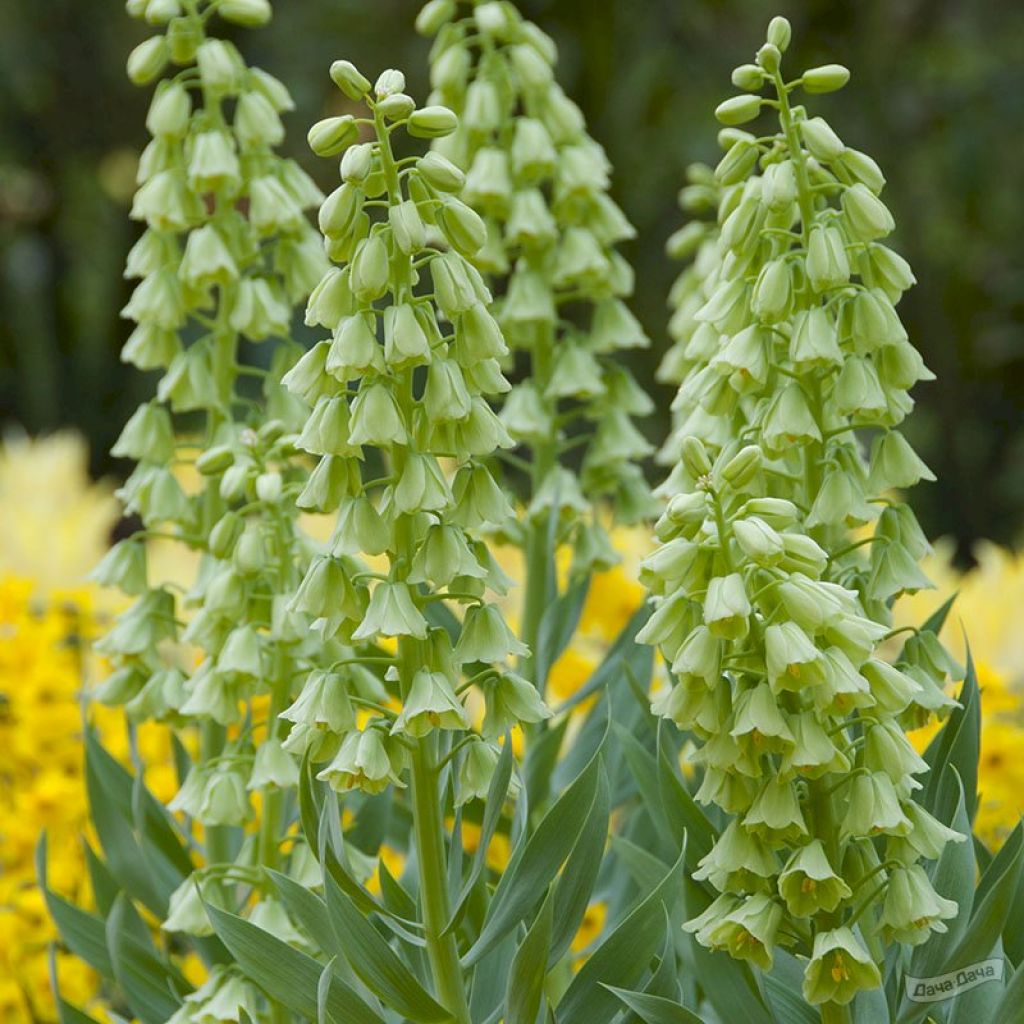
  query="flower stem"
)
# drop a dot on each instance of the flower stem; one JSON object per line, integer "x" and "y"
{"x": 833, "y": 1013}
{"x": 429, "y": 835}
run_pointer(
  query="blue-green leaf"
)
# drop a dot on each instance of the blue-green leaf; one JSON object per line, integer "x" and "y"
{"x": 287, "y": 975}
{"x": 537, "y": 860}
{"x": 655, "y": 1009}
{"x": 576, "y": 882}
{"x": 149, "y": 984}
{"x": 624, "y": 956}
{"x": 529, "y": 969}
{"x": 377, "y": 965}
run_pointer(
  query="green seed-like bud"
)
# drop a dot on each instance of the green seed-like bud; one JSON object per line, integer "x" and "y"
{"x": 695, "y": 457}
{"x": 463, "y": 226}
{"x": 388, "y": 83}
{"x": 148, "y": 59}
{"x": 742, "y": 467}
{"x": 769, "y": 57}
{"x": 225, "y": 534}
{"x": 779, "y": 32}
{"x": 433, "y": 16}
{"x": 440, "y": 172}
{"x": 356, "y": 163}
{"x": 347, "y": 78}
{"x": 333, "y": 134}
{"x": 738, "y": 161}
{"x": 432, "y": 122}
{"x": 215, "y": 460}
{"x": 396, "y": 106}
{"x": 827, "y": 265}
{"x": 821, "y": 140}
{"x": 738, "y": 109}
{"x": 370, "y": 269}
{"x": 866, "y": 214}
{"x": 863, "y": 168}
{"x": 827, "y": 78}
{"x": 748, "y": 77}
{"x": 407, "y": 226}
{"x": 251, "y": 13}
{"x": 160, "y": 12}
{"x": 219, "y": 67}
{"x": 169, "y": 111}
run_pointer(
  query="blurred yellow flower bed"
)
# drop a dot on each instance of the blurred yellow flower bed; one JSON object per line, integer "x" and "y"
{"x": 54, "y": 525}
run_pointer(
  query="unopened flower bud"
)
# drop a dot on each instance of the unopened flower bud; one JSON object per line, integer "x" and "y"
{"x": 160, "y": 12}
{"x": 738, "y": 161}
{"x": 347, "y": 78}
{"x": 821, "y": 140}
{"x": 778, "y": 185}
{"x": 827, "y": 78}
{"x": 738, "y": 109}
{"x": 396, "y": 106}
{"x": 219, "y": 67}
{"x": 169, "y": 111}
{"x": 148, "y": 59}
{"x": 388, "y": 83}
{"x": 251, "y": 13}
{"x": 463, "y": 226}
{"x": 779, "y": 32}
{"x": 772, "y": 296}
{"x": 225, "y": 534}
{"x": 432, "y": 122}
{"x": 433, "y": 16}
{"x": 370, "y": 269}
{"x": 333, "y": 134}
{"x": 215, "y": 460}
{"x": 356, "y": 163}
{"x": 742, "y": 467}
{"x": 440, "y": 172}
{"x": 695, "y": 457}
{"x": 866, "y": 214}
{"x": 748, "y": 77}
{"x": 827, "y": 265}
{"x": 769, "y": 57}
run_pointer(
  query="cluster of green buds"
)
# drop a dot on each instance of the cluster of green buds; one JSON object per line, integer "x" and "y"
{"x": 696, "y": 242}
{"x": 782, "y": 549}
{"x": 541, "y": 183}
{"x": 226, "y": 254}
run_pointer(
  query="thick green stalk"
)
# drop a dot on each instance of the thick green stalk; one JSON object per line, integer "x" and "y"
{"x": 538, "y": 552}
{"x": 428, "y": 823}
{"x": 442, "y": 950}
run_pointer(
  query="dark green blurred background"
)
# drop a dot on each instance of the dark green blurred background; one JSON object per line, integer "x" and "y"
{"x": 937, "y": 97}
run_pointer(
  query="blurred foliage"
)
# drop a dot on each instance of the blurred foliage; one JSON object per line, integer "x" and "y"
{"x": 937, "y": 94}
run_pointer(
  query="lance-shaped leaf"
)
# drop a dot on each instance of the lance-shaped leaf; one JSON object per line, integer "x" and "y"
{"x": 537, "y": 860}
{"x": 287, "y": 975}
{"x": 624, "y": 956}
{"x": 377, "y": 965}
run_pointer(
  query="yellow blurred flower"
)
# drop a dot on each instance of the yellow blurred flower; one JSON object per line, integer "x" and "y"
{"x": 591, "y": 926}
{"x": 54, "y": 522}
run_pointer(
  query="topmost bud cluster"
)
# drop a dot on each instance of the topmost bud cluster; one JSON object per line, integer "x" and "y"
{"x": 751, "y": 78}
